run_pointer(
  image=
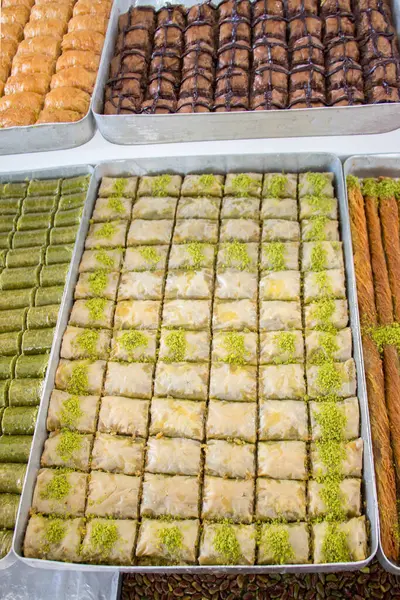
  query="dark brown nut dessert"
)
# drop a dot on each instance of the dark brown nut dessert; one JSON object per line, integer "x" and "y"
{"x": 197, "y": 32}
{"x": 156, "y": 106}
{"x": 234, "y": 81}
{"x": 122, "y": 105}
{"x": 167, "y": 60}
{"x": 347, "y": 96}
{"x": 172, "y": 16}
{"x": 268, "y": 78}
{"x": 383, "y": 72}
{"x": 307, "y": 50}
{"x": 268, "y": 7}
{"x": 378, "y": 46}
{"x": 306, "y": 98}
{"x": 373, "y": 22}
{"x": 168, "y": 37}
{"x": 127, "y": 85}
{"x": 231, "y": 103}
{"x": 201, "y": 84}
{"x": 198, "y": 57}
{"x": 235, "y": 31}
{"x": 192, "y": 104}
{"x": 297, "y": 7}
{"x": 303, "y": 26}
{"x": 338, "y": 26}
{"x": 201, "y": 12}
{"x": 270, "y": 27}
{"x": 343, "y": 74}
{"x": 143, "y": 16}
{"x": 129, "y": 61}
{"x": 382, "y": 93}
{"x": 307, "y": 77}
{"x": 335, "y": 7}
{"x": 269, "y": 100}
{"x": 234, "y": 55}
{"x": 340, "y": 49}
{"x": 234, "y": 8}
{"x": 163, "y": 86}
{"x": 270, "y": 50}
{"x": 135, "y": 38}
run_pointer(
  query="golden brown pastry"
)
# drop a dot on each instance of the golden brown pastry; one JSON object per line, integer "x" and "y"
{"x": 13, "y": 117}
{"x": 38, "y": 83}
{"x": 69, "y": 99}
{"x": 52, "y": 27}
{"x": 52, "y": 10}
{"x": 78, "y": 58}
{"x": 41, "y": 44}
{"x": 8, "y": 49}
{"x": 58, "y": 115}
{"x": 42, "y": 2}
{"x": 28, "y": 100}
{"x": 1, "y": 87}
{"x": 26, "y": 3}
{"x": 86, "y": 7}
{"x": 32, "y": 63}
{"x": 83, "y": 40}
{"x": 77, "y": 77}
{"x": 11, "y": 31}
{"x": 88, "y": 23}
{"x": 14, "y": 14}
{"x": 389, "y": 214}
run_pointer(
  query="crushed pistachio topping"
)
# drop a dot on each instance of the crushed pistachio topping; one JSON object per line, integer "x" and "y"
{"x": 196, "y": 253}
{"x": 370, "y": 187}
{"x": 275, "y": 252}
{"x": 159, "y": 185}
{"x": 106, "y": 231}
{"x": 176, "y": 343}
{"x": 131, "y": 340}
{"x": 150, "y": 254}
{"x": 327, "y": 348}
{"x": 115, "y": 203}
{"x": 318, "y": 257}
{"x": 276, "y": 541}
{"x": 54, "y": 531}
{"x": 171, "y": 538}
{"x": 277, "y": 186}
{"x": 236, "y": 253}
{"x": 226, "y": 543}
{"x": 104, "y": 258}
{"x": 316, "y": 233}
{"x": 96, "y": 308}
{"x": 98, "y": 281}
{"x": 285, "y": 341}
{"x": 331, "y": 420}
{"x": 323, "y": 313}
{"x": 332, "y": 454}
{"x": 57, "y": 488}
{"x": 242, "y": 184}
{"x": 119, "y": 186}
{"x": 335, "y": 548}
{"x": 71, "y": 411}
{"x": 333, "y": 498}
{"x": 322, "y": 204}
{"x": 235, "y": 348}
{"x": 323, "y": 282}
{"x": 329, "y": 379}
{"x": 207, "y": 180}
{"x": 70, "y": 442}
{"x": 104, "y": 536}
{"x": 87, "y": 341}
{"x": 352, "y": 182}
{"x": 318, "y": 181}
{"x": 386, "y": 335}
{"x": 387, "y": 188}
{"x": 79, "y": 380}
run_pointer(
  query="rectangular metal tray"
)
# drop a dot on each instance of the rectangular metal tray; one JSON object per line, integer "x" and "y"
{"x": 387, "y": 165}
{"x": 51, "y": 136}
{"x": 157, "y": 129}
{"x": 54, "y": 172}
{"x": 213, "y": 164}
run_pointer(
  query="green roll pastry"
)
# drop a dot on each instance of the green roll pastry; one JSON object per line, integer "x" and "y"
{"x": 6, "y": 538}
{"x": 75, "y": 184}
{"x": 8, "y": 510}
{"x": 15, "y": 190}
{"x": 4, "y": 387}
{"x": 22, "y": 277}
{"x": 6, "y": 239}
{"x": 25, "y": 257}
{"x": 10, "y": 206}
{"x": 37, "y": 341}
{"x": 63, "y": 218}
{"x": 49, "y": 295}
{"x": 12, "y": 320}
{"x": 54, "y": 274}
{"x": 10, "y": 343}
{"x": 72, "y": 201}
{"x": 19, "y": 420}
{"x": 40, "y": 204}
{"x": 7, "y": 223}
{"x": 25, "y": 392}
{"x": 59, "y": 254}
{"x": 30, "y": 221}
{"x": 32, "y": 366}
{"x": 39, "y": 317}
{"x": 7, "y": 367}
{"x": 15, "y": 448}
{"x": 64, "y": 235}
{"x": 1, "y": 417}
{"x": 17, "y": 298}
{"x": 44, "y": 187}
{"x": 12, "y": 478}
{"x": 28, "y": 239}
{"x": 3, "y": 256}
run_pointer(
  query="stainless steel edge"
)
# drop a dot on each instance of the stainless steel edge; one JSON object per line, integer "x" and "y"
{"x": 51, "y": 136}
{"x": 69, "y": 171}
{"x": 372, "y": 166}
{"x": 257, "y": 162}
{"x": 157, "y": 129}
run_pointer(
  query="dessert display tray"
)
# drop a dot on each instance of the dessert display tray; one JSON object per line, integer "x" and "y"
{"x": 161, "y": 128}
{"x": 58, "y": 172}
{"x": 386, "y": 165}
{"x": 210, "y": 164}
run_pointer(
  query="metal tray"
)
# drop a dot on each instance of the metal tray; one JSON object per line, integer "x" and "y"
{"x": 212, "y": 164}
{"x": 51, "y": 136}
{"x": 157, "y": 129}
{"x": 50, "y": 173}
{"x": 387, "y": 165}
